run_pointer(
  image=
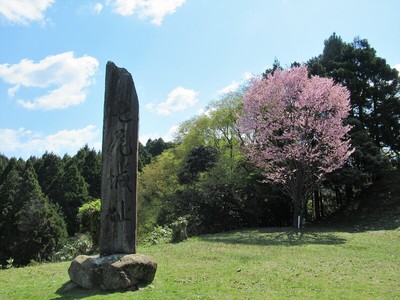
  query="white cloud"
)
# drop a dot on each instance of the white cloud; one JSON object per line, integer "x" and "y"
{"x": 235, "y": 84}
{"x": 201, "y": 111}
{"x": 247, "y": 76}
{"x": 178, "y": 100}
{"x": 98, "y": 7}
{"x": 29, "y": 142}
{"x": 206, "y": 111}
{"x": 154, "y": 9}
{"x": 11, "y": 91}
{"x": 171, "y": 133}
{"x": 69, "y": 75}
{"x": 125, "y": 7}
{"x": 229, "y": 88}
{"x": 158, "y": 9}
{"x": 24, "y": 11}
{"x": 397, "y": 67}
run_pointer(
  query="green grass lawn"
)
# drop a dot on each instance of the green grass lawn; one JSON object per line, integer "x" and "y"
{"x": 271, "y": 263}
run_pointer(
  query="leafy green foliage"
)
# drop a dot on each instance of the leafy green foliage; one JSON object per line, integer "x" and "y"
{"x": 159, "y": 235}
{"x": 179, "y": 230}
{"x": 79, "y": 244}
{"x": 206, "y": 178}
{"x": 89, "y": 219}
{"x": 151, "y": 150}
{"x": 156, "y": 188}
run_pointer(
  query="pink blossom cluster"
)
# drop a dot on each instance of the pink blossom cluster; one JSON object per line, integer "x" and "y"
{"x": 294, "y": 123}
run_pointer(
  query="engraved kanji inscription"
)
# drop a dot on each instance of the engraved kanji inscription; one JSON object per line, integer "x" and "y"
{"x": 119, "y": 173}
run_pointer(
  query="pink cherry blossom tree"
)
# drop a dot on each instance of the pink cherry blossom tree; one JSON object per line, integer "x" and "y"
{"x": 294, "y": 125}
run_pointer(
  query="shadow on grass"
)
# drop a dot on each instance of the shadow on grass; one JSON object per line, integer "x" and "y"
{"x": 70, "y": 290}
{"x": 277, "y": 237}
{"x": 381, "y": 218}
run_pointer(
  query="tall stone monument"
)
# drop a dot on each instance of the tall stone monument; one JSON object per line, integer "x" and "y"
{"x": 118, "y": 267}
{"x": 120, "y": 157}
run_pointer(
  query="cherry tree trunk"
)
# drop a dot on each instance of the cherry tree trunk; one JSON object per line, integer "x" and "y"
{"x": 299, "y": 202}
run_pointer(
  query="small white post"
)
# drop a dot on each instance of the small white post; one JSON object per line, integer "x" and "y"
{"x": 298, "y": 222}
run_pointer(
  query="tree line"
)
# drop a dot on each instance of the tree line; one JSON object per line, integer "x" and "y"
{"x": 208, "y": 178}
{"x": 205, "y": 175}
{"x": 40, "y": 199}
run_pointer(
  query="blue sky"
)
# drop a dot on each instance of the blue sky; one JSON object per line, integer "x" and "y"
{"x": 182, "y": 54}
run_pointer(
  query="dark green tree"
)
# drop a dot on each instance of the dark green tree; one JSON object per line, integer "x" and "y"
{"x": 89, "y": 164}
{"x": 13, "y": 164}
{"x": 75, "y": 193}
{"x": 31, "y": 227}
{"x": 157, "y": 146}
{"x": 144, "y": 157}
{"x": 373, "y": 84}
{"x": 199, "y": 159}
{"x": 29, "y": 187}
{"x": 41, "y": 229}
{"x": 49, "y": 169}
{"x": 275, "y": 66}
{"x": 375, "y": 113}
{"x": 3, "y": 163}
{"x": 8, "y": 192}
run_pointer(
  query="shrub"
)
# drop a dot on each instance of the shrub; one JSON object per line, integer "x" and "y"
{"x": 76, "y": 245}
{"x": 179, "y": 229}
{"x": 89, "y": 219}
{"x": 159, "y": 235}
{"x": 42, "y": 231}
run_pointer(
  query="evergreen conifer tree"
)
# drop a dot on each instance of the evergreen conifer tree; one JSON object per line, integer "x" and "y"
{"x": 8, "y": 191}
{"x": 75, "y": 193}
{"x": 34, "y": 228}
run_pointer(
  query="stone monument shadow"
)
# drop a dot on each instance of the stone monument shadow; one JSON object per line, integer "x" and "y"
{"x": 118, "y": 267}
{"x": 70, "y": 290}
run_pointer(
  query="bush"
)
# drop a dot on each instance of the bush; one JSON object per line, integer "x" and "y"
{"x": 159, "y": 235}
{"x": 10, "y": 263}
{"x": 42, "y": 231}
{"x": 89, "y": 219}
{"x": 179, "y": 230}
{"x": 76, "y": 245}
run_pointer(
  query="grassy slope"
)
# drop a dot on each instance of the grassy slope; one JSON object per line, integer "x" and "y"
{"x": 251, "y": 264}
{"x": 356, "y": 259}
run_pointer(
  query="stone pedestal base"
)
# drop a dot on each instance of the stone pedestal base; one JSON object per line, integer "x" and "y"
{"x": 114, "y": 272}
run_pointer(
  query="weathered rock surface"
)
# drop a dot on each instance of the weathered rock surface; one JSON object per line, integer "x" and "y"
{"x": 118, "y": 271}
{"x": 119, "y": 163}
